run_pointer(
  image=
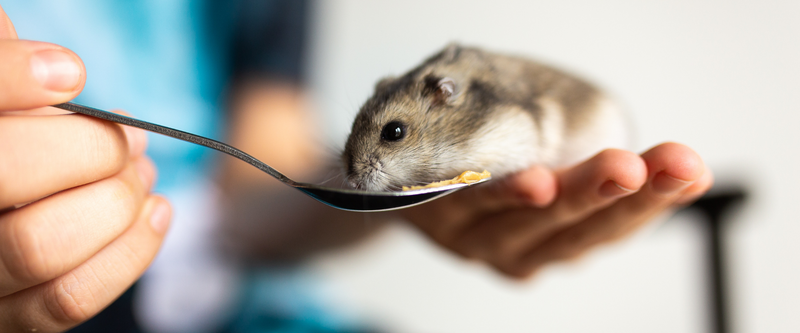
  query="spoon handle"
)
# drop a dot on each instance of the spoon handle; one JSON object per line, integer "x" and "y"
{"x": 180, "y": 135}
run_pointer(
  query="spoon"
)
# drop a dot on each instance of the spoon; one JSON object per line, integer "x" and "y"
{"x": 345, "y": 199}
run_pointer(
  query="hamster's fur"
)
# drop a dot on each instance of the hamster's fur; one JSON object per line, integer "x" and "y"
{"x": 469, "y": 109}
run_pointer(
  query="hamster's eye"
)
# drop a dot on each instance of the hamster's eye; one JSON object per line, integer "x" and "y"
{"x": 393, "y": 131}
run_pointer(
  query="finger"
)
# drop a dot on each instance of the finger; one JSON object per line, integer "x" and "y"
{"x": 37, "y": 74}
{"x": 45, "y": 239}
{"x": 672, "y": 168}
{"x": 697, "y": 189}
{"x": 53, "y": 153}
{"x": 535, "y": 186}
{"x": 584, "y": 189}
{"x": 6, "y": 27}
{"x": 84, "y": 291}
{"x": 601, "y": 180}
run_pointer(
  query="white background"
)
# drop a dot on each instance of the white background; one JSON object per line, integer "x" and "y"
{"x": 720, "y": 76}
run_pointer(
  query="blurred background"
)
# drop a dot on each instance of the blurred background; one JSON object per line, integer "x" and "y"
{"x": 719, "y": 76}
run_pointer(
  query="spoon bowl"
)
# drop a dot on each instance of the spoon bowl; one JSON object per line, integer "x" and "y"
{"x": 345, "y": 199}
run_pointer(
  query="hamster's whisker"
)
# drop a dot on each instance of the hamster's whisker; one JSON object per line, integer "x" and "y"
{"x": 393, "y": 187}
{"x": 326, "y": 180}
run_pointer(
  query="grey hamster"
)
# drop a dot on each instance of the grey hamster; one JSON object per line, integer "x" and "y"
{"x": 465, "y": 108}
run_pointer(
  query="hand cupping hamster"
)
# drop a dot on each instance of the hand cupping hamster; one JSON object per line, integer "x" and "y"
{"x": 468, "y": 109}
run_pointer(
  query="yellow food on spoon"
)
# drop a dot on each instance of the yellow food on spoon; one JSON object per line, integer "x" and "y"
{"x": 466, "y": 177}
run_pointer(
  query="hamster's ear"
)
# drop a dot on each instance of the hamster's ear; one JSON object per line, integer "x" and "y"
{"x": 384, "y": 82}
{"x": 443, "y": 90}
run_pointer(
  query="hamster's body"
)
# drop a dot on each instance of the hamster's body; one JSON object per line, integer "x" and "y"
{"x": 469, "y": 109}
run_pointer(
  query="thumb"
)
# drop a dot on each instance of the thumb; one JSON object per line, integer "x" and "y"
{"x": 36, "y": 74}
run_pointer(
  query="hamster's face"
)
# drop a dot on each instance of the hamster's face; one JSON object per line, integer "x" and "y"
{"x": 393, "y": 141}
{"x": 415, "y": 129}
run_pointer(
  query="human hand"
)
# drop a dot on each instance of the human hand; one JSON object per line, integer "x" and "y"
{"x": 538, "y": 216}
{"x": 77, "y": 224}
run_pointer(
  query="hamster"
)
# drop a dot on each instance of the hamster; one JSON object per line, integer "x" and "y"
{"x": 465, "y": 108}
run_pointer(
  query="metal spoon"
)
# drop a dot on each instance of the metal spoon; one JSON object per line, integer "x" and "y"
{"x": 352, "y": 200}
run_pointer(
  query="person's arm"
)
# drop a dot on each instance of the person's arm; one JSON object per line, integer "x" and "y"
{"x": 77, "y": 222}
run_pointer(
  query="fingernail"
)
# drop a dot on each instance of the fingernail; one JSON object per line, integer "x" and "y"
{"x": 56, "y": 70}
{"x": 159, "y": 218}
{"x": 146, "y": 171}
{"x": 611, "y": 189}
{"x": 665, "y": 184}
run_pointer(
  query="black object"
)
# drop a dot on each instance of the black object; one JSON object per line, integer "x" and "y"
{"x": 117, "y": 317}
{"x": 715, "y": 207}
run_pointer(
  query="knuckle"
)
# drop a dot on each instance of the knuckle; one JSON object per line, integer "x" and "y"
{"x": 28, "y": 259}
{"x": 71, "y": 301}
